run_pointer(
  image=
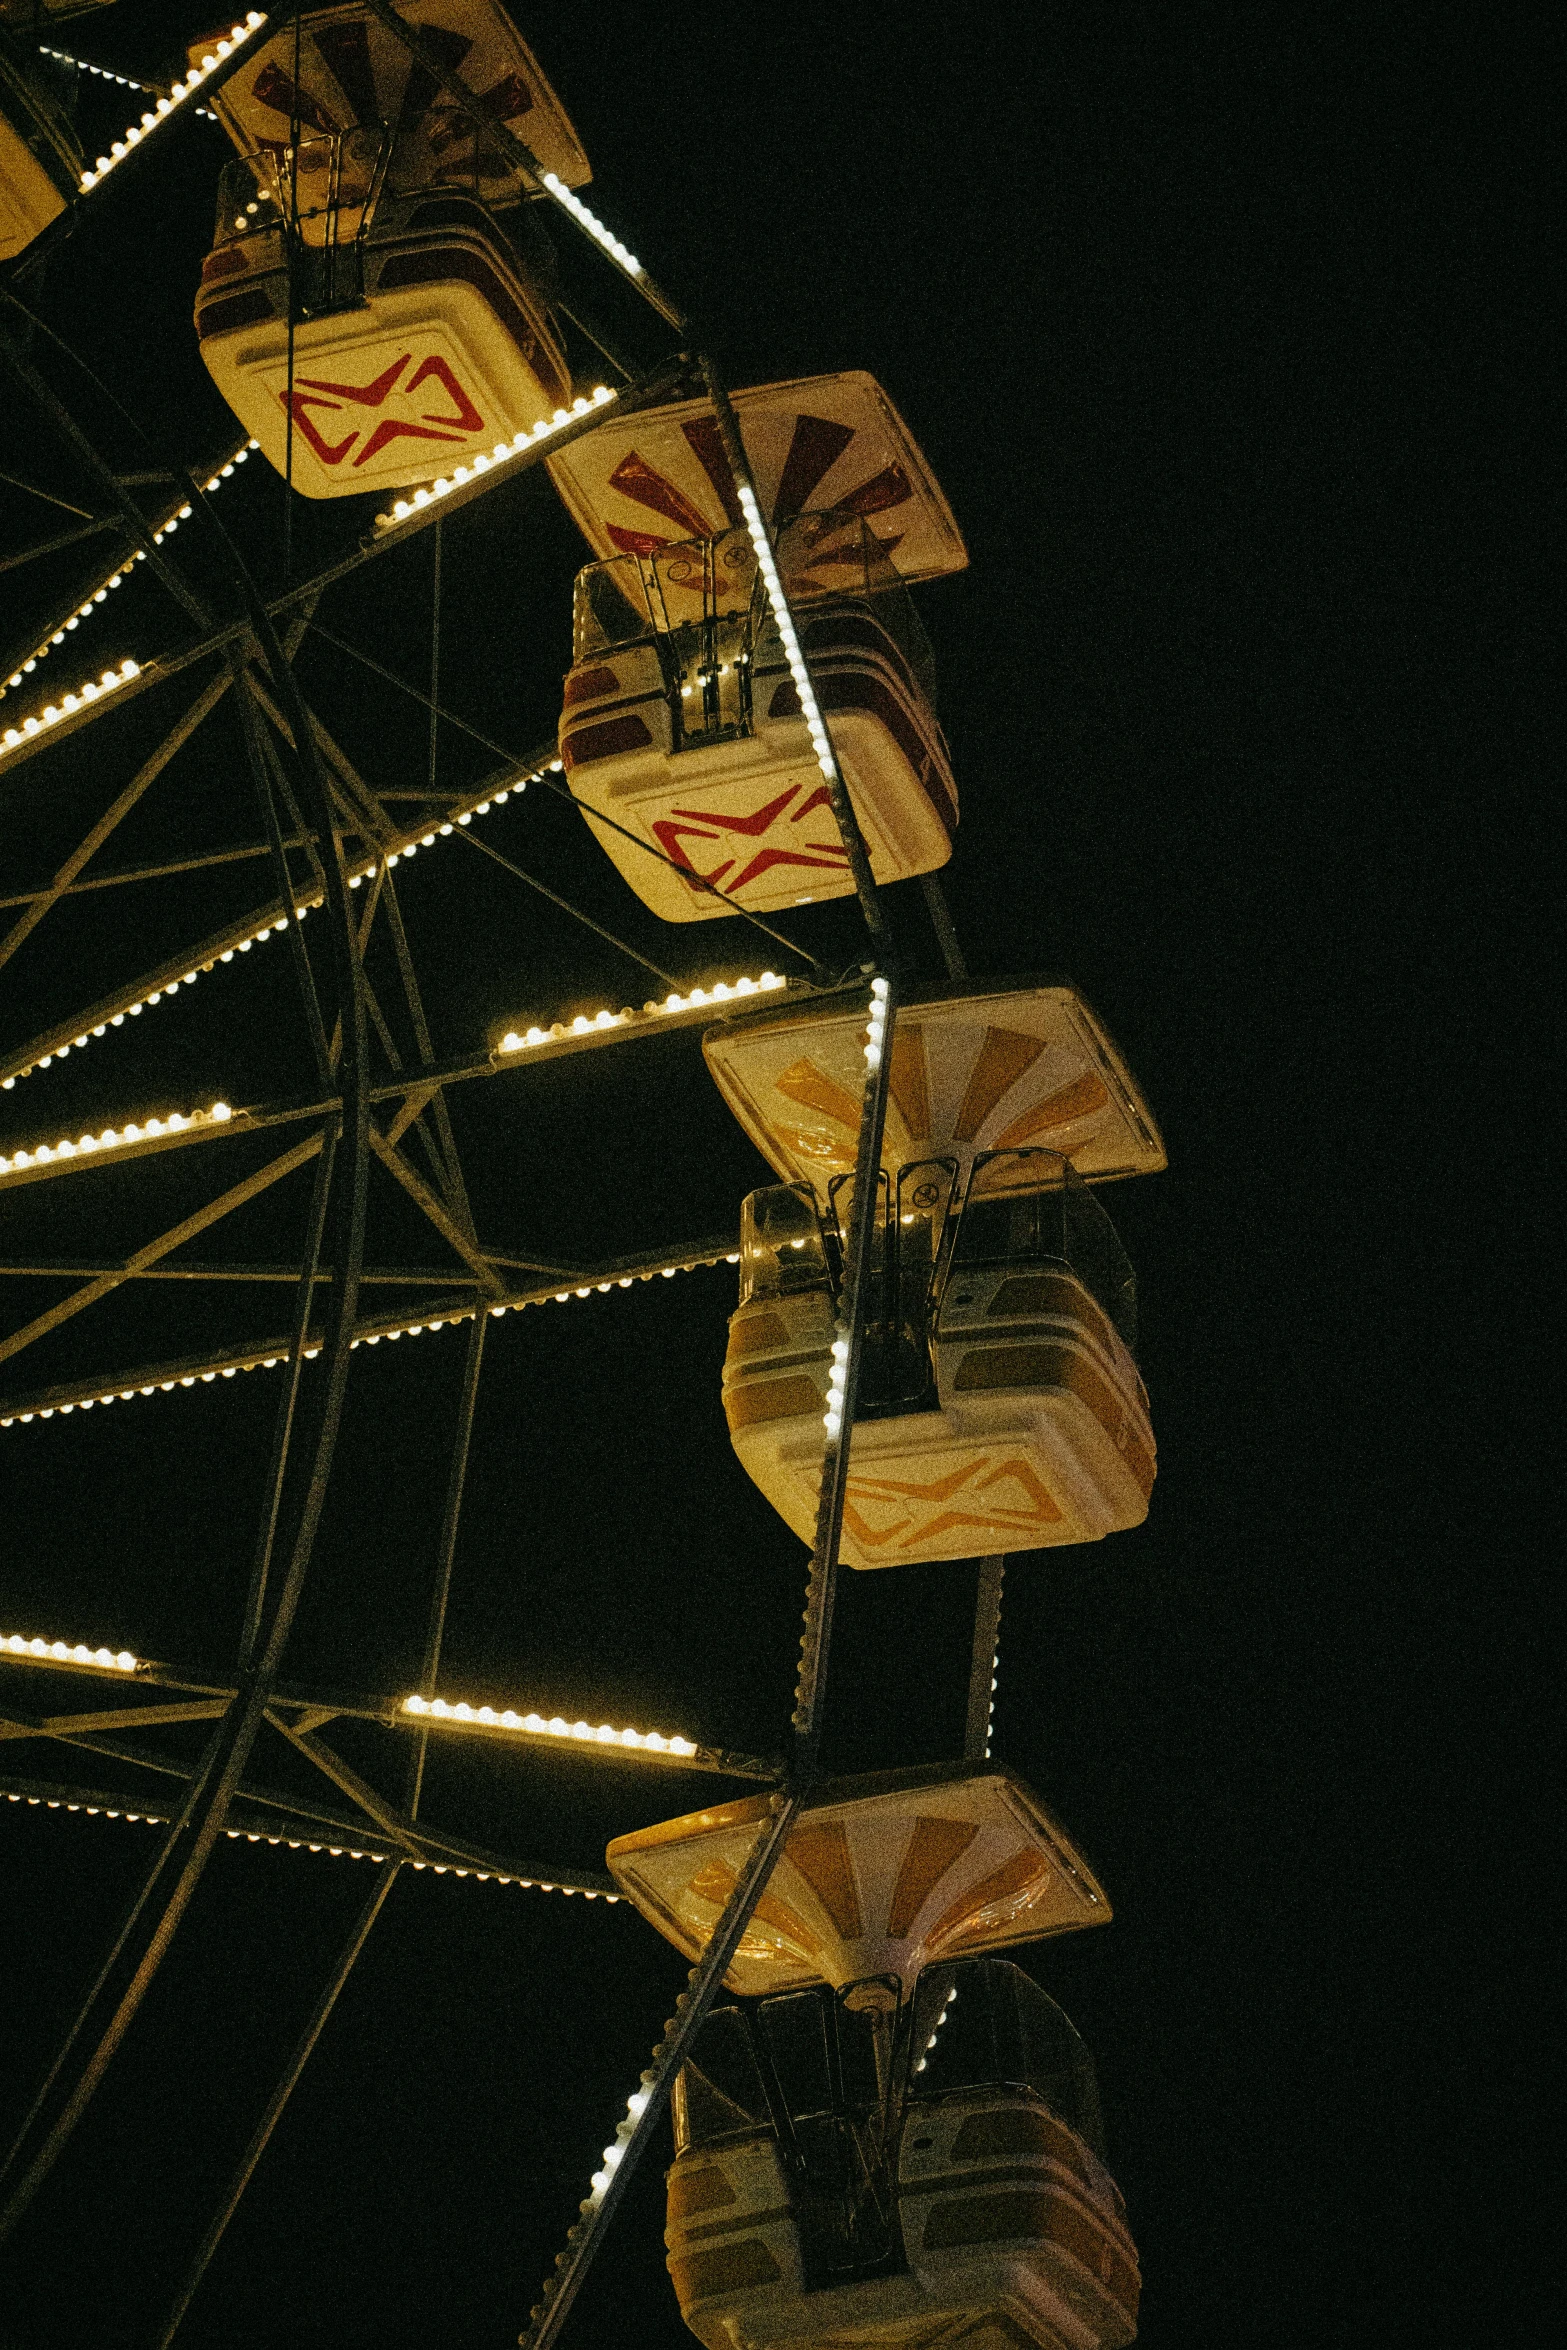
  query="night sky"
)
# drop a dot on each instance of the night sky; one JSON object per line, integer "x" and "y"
{"x": 1197, "y": 317}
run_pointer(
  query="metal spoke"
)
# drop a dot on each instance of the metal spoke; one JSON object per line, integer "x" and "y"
{"x": 312, "y": 1708}
{"x": 424, "y": 1198}
{"x": 261, "y": 775}
{"x": 822, "y": 1583}
{"x": 178, "y": 735}
{"x": 446, "y": 1545}
{"x": 268, "y": 1814}
{"x": 49, "y": 497}
{"x": 128, "y": 874}
{"x": 123, "y": 1717}
{"x": 544, "y": 765}
{"x": 575, "y": 912}
{"x": 72, "y": 1269}
{"x": 376, "y": 1809}
{"x": 163, "y": 1246}
{"x": 645, "y": 1265}
{"x": 347, "y": 1958}
{"x": 442, "y": 1147}
{"x": 941, "y": 922}
{"x": 66, "y": 538}
{"x": 702, "y": 1983}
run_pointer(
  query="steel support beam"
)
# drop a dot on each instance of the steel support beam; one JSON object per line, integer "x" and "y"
{"x": 165, "y": 1244}
{"x": 291, "y": 1514}
{"x": 270, "y": 1814}
{"x": 367, "y": 1801}
{"x": 347, "y": 1958}
{"x": 583, "y": 2239}
{"x": 433, "y": 1312}
{"x": 147, "y": 774}
{"x": 822, "y": 1583}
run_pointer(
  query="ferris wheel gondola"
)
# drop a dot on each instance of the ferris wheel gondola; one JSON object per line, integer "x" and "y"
{"x": 898, "y": 2143}
{"x": 681, "y": 727}
{"x": 376, "y": 305}
{"x": 1000, "y": 1403}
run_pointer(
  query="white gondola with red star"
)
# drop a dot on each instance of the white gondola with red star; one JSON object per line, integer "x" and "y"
{"x": 419, "y": 285}
{"x": 681, "y": 722}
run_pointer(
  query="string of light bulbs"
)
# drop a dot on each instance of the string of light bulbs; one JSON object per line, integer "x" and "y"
{"x": 363, "y": 871}
{"x": 485, "y": 1717}
{"x": 180, "y": 93}
{"x": 477, "y": 467}
{"x": 723, "y": 991}
{"x": 757, "y": 529}
{"x": 99, "y": 594}
{"x": 263, "y": 1360}
{"x": 610, "y": 2161}
{"x": 837, "y": 1377}
{"x": 438, "y": 1868}
{"x": 92, "y": 690}
{"x": 126, "y": 81}
{"x": 603, "y": 237}
{"x": 74, "y": 1654}
{"x": 113, "y": 1139}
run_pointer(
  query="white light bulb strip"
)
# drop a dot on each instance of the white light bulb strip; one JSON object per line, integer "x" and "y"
{"x": 64, "y": 57}
{"x": 820, "y": 741}
{"x": 726, "y": 991}
{"x": 179, "y": 95}
{"x": 605, "y": 238}
{"x": 357, "y": 877}
{"x": 477, "y": 467}
{"x": 952, "y": 2001}
{"x": 832, "y": 1417}
{"x": 837, "y": 1377}
{"x": 113, "y": 1139}
{"x": 270, "y": 1362}
{"x": 876, "y": 1025}
{"x": 104, "y": 74}
{"x": 64, "y": 1652}
{"x": 160, "y": 1819}
{"x": 114, "y": 579}
{"x": 83, "y": 699}
{"x": 636, "y": 2107}
{"x": 484, "y": 1717}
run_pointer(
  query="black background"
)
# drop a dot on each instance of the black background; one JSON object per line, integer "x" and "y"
{"x": 1204, "y": 323}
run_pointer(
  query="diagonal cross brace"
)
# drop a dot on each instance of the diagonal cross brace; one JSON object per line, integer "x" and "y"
{"x": 635, "y": 2134}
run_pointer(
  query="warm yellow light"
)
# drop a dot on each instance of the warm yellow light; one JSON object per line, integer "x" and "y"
{"x": 183, "y": 89}
{"x": 111, "y": 1138}
{"x": 725, "y": 991}
{"x": 65, "y": 1652}
{"x": 418, "y": 499}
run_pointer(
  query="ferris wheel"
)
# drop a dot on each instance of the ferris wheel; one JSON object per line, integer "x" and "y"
{"x": 884, "y": 2130}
